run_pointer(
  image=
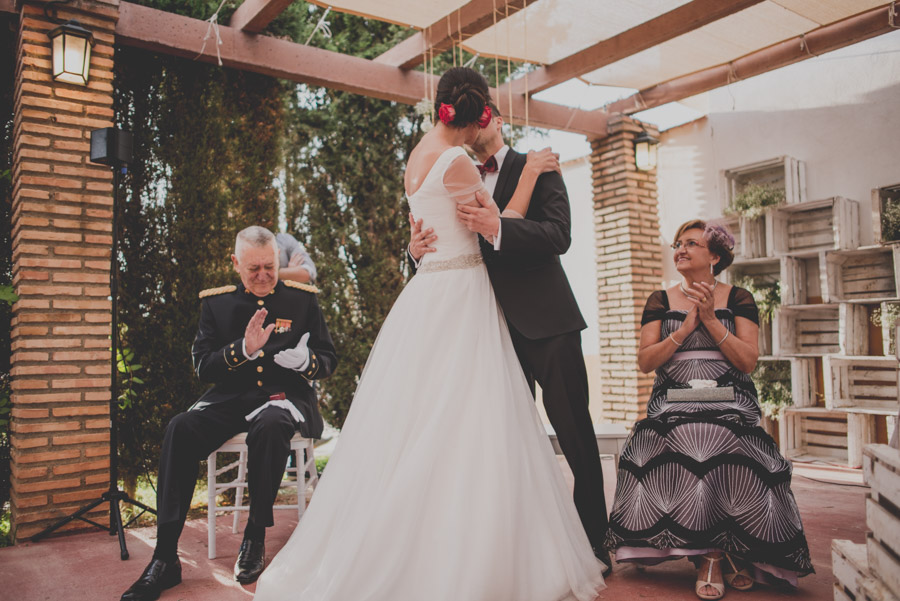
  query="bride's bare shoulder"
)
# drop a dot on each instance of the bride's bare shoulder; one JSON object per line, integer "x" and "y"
{"x": 421, "y": 160}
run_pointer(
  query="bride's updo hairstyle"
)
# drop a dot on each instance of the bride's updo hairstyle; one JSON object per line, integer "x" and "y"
{"x": 464, "y": 89}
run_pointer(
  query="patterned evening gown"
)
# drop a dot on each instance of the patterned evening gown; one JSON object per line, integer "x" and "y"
{"x": 701, "y": 477}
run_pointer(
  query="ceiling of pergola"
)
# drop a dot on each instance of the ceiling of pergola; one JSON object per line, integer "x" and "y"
{"x": 668, "y": 50}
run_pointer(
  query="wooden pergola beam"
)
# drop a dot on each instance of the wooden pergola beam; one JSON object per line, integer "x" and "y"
{"x": 168, "y": 33}
{"x": 470, "y": 19}
{"x": 682, "y": 20}
{"x": 252, "y": 16}
{"x": 827, "y": 38}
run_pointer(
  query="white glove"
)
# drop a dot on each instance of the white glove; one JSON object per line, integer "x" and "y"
{"x": 296, "y": 358}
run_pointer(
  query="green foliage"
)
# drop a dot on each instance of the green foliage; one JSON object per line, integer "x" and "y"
{"x": 343, "y": 188}
{"x": 126, "y": 368}
{"x": 773, "y": 386}
{"x": 217, "y": 150}
{"x": 6, "y": 536}
{"x": 206, "y": 153}
{"x": 886, "y": 316}
{"x": 890, "y": 217}
{"x": 753, "y": 200}
{"x": 321, "y": 462}
{"x": 7, "y": 295}
{"x": 766, "y": 294}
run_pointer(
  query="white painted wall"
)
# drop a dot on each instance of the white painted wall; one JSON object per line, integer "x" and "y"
{"x": 839, "y": 113}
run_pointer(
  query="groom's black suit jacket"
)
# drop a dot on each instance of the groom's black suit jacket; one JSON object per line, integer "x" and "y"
{"x": 526, "y": 274}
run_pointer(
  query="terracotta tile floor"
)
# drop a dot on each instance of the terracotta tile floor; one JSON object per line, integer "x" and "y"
{"x": 86, "y": 567}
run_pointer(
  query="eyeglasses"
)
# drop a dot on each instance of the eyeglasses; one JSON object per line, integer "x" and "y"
{"x": 688, "y": 244}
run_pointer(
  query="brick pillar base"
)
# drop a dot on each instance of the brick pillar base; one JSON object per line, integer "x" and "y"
{"x": 61, "y": 238}
{"x": 629, "y": 265}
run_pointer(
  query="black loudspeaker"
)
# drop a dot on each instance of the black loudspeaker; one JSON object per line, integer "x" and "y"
{"x": 111, "y": 146}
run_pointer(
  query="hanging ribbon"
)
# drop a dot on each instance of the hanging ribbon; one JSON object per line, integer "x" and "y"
{"x": 213, "y": 28}
{"x": 322, "y": 26}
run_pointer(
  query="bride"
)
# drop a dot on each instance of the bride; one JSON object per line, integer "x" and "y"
{"x": 444, "y": 485}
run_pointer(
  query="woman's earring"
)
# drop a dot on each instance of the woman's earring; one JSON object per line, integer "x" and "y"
{"x": 711, "y": 270}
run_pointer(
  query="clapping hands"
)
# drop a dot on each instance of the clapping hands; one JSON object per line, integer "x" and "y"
{"x": 296, "y": 358}
{"x": 255, "y": 335}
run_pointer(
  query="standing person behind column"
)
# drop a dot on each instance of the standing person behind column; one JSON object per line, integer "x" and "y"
{"x": 293, "y": 261}
{"x": 261, "y": 345}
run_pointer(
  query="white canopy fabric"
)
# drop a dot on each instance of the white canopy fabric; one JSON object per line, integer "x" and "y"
{"x": 551, "y": 30}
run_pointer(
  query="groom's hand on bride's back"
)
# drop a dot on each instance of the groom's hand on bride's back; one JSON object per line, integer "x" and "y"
{"x": 420, "y": 240}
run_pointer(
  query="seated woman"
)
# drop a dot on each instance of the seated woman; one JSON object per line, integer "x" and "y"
{"x": 702, "y": 479}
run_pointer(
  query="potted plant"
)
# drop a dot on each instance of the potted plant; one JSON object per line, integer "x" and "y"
{"x": 754, "y": 199}
{"x": 773, "y": 389}
{"x": 767, "y": 296}
{"x": 886, "y": 316}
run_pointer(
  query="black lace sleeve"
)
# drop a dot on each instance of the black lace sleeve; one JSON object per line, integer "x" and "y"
{"x": 741, "y": 303}
{"x": 656, "y": 307}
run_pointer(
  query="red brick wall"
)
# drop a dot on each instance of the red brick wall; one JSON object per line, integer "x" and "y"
{"x": 61, "y": 228}
{"x": 629, "y": 265}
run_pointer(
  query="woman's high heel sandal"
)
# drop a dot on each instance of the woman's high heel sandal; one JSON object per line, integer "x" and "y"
{"x": 719, "y": 587}
{"x": 735, "y": 573}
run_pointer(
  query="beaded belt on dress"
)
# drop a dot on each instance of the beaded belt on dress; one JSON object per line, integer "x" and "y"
{"x": 711, "y": 355}
{"x": 460, "y": 262}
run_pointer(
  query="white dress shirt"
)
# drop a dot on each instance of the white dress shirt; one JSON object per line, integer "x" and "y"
{"x": 490, "y": 182}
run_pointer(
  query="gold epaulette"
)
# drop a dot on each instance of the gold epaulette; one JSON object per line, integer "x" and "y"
{"x": 219, "y": 290}
{"x": 299, "y": 286}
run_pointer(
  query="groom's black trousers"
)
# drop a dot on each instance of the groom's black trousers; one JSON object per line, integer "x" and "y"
{"x": 191, "y": 436}
{"x": 557, "y": 364}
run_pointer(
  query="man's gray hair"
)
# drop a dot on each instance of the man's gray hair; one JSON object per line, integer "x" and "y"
{"x": 255, "y": 236}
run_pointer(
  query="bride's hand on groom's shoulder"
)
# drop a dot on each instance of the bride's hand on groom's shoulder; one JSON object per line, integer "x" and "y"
{"x": 543, "y": 161}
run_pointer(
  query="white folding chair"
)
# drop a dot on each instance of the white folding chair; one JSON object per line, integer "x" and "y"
{"x": 305, "y": 472}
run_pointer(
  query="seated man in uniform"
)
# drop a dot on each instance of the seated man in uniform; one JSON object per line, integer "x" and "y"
{"x": 261, "y": 345}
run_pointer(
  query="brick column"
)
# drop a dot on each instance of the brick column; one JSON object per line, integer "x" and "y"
{"x": 629, "y": 265}
{"x": 61, "y": 238}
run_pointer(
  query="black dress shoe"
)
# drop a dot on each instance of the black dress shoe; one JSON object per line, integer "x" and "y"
{"x": 157, "y": 577}
{"x": 603, "y": 556}
{"x": 250, "y": 562}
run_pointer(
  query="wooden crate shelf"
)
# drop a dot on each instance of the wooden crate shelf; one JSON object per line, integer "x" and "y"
{"x": 779, "y": 172}
{"x": 881, "y": 468}
{"x": 861, "y": 382}
{"x": 805, "y": 377}
{"x": 873, "y": 589}
{"x": 850, "y": 567}
{"x": 752, "y": 238}
{"x": 865, "y": 275}
{"x": 815, "y": 432}
{"x": 806, "y": 330}
{"x": 809, "y": 227}
{"x": 801, "y": 280}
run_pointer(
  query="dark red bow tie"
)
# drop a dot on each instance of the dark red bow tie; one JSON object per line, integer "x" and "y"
{"x": 490, "y": 166}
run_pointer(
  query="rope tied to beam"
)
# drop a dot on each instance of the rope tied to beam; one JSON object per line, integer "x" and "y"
{"x": 322, "y": 26}
{"x": 893, "y": 14}
{"x": 213, "y": 28}
{"x": 732, "y": 74}
{"x": 804, "y": 45}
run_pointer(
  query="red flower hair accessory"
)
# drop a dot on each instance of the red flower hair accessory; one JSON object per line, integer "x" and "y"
{"x": 446, "y": 113}
{"x": 485, "y": 119}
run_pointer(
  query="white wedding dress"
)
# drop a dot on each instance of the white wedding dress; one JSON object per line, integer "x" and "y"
{"x": 444, "y": 485}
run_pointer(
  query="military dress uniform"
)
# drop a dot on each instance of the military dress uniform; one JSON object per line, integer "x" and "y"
{"x": 242, "y": 385}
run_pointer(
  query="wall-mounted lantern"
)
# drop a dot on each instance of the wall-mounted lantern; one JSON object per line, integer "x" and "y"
{"x": 71, "y": 53}
{"x": 645, "y": 151}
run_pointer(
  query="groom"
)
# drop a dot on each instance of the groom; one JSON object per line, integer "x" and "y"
{"x": 543, "y": 316}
